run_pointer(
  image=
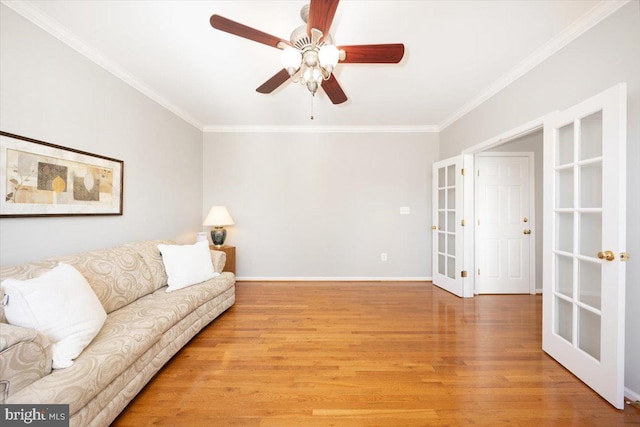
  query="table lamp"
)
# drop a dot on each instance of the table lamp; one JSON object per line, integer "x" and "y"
{"x": 218, "y": 218}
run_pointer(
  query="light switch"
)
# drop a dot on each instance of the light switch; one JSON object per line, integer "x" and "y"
{"x": 405, "y": 210}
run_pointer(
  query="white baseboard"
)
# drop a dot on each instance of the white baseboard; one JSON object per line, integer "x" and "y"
{"x": 630, "y": 394}
{"x": 333, "y": 279}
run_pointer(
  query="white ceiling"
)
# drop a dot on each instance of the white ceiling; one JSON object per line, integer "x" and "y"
{"x": 458, "y": 53}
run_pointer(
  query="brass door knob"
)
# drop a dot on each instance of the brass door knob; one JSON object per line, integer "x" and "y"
{"x": 607, "y": 255}
{"x": 526, "y": 231}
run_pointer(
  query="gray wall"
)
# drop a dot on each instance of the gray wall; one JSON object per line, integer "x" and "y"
{"x": 52, "y": 93}
{"x": 324, "y": 204}
{"x": 532, "y": 143}
{"x": 606, "y": 55}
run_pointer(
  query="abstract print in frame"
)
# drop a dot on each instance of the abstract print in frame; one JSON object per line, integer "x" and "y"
{"x": 42, "y": 179}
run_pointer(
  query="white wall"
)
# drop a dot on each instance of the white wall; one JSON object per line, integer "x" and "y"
{"x": 606, "y": 55}
{"x": 52, "y": 93}
{"x": 324, "y": 204}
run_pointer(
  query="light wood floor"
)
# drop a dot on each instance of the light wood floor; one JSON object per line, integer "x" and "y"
{"x": 370, "y": 354}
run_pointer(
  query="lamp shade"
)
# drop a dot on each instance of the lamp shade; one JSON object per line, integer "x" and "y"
{"x": 218, "y": 217}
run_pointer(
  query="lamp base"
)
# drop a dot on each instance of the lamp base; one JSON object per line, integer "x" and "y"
{"x": 218, "y": 234}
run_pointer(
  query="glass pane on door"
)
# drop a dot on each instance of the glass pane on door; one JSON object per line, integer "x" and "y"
{"x": 564, "y": 147}
{"x": 564, "y": 190}
{"x": 564, "y": 319}
{"x": 591, "y": 185}
{"x": 564, "y": 275}
{"x": 590, "y": 235}
{"x": 591, "y": 136}
{"x": 589, "y": 333}
{"x": 590, "y": 291}
{"x": 564, "y": 224}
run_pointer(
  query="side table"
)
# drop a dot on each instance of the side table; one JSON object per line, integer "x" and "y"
{"x": 230, "y": 265}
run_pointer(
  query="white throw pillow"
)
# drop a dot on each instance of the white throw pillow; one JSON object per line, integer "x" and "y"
{"x": 61, "y": 305}
{"x": 187, "y": 265}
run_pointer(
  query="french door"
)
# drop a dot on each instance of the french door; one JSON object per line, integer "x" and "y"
{"x": 584, "y": 241}
{"x": 448, "y": 223}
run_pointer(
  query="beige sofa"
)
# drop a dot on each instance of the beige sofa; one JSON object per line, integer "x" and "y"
{"x": 145, "y": 327}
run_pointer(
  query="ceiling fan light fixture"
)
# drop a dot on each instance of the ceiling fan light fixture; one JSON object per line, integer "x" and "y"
{"x": 328, "y": 56}
{"x": 312, "y": 75}
{"x": 309, "y": 62}
{"x": 291, "y": 59}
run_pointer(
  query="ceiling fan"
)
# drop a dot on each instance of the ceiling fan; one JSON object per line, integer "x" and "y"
{"x": 310, "y": 56}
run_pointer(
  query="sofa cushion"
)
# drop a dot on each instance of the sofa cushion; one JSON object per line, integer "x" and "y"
{"x": 61, "y": 305}
{"x": 148, "y": 251}
{"x": 118, "y": 276}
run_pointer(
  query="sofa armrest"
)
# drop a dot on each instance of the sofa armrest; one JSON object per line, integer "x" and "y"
{"x": 219, "y": 258}
{"x": 25, "y": 357}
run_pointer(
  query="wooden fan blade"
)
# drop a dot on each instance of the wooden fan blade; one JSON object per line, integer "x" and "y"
{"x": 274, "y": 82}
{"x": 333, "y": 90}
{"x": 228, "y": 26}
{"x": 373, "y": 53}
{"x": 321, "y": 13}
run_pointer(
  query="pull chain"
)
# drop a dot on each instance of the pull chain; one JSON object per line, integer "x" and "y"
{"x": 313, "y": 95}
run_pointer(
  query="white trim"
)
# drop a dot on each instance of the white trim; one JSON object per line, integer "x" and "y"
{"x": 597, "y": 14}
{"x": 59, "y": 31}
{"x": 532, "y": 210}
{"x": 333, "y": 279}
{"x": 634, "y": 396}
{"x": 318, "y": 129}
{"x": 468, "y": 245}
{"x": 508, "y": 136}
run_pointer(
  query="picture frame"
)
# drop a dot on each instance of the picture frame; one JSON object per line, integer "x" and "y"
{"x": 40, "y": 179}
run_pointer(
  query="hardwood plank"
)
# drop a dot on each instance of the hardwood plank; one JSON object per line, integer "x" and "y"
{"x": 369, "y": 353}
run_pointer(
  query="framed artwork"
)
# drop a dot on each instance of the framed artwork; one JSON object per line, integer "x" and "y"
{"x": 42, "y": 179}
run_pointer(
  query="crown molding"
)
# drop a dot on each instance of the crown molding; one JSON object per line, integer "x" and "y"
{"x": 597, "y": 14}
{"x": 57, "y": 30}
{"x": 320, "y": 129}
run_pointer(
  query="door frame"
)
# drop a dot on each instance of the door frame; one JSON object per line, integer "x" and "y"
{"x": 532, "y": 208}
{"x": 469, "y": 193}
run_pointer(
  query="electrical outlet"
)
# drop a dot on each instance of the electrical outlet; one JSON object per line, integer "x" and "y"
{"x": 383, "y": 256}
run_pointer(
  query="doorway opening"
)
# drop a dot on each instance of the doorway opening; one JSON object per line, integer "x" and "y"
{"x": 525, "y": 139}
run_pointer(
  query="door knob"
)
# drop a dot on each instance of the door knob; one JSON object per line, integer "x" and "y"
{"x": 526, "y": 231}
{"x": 608, "y": 255}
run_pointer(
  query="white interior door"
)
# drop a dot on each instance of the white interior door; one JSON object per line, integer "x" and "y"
{"x": 584, "y": 241}
{"x": 504, "y": 223}
{"x": 447, "y": 236}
